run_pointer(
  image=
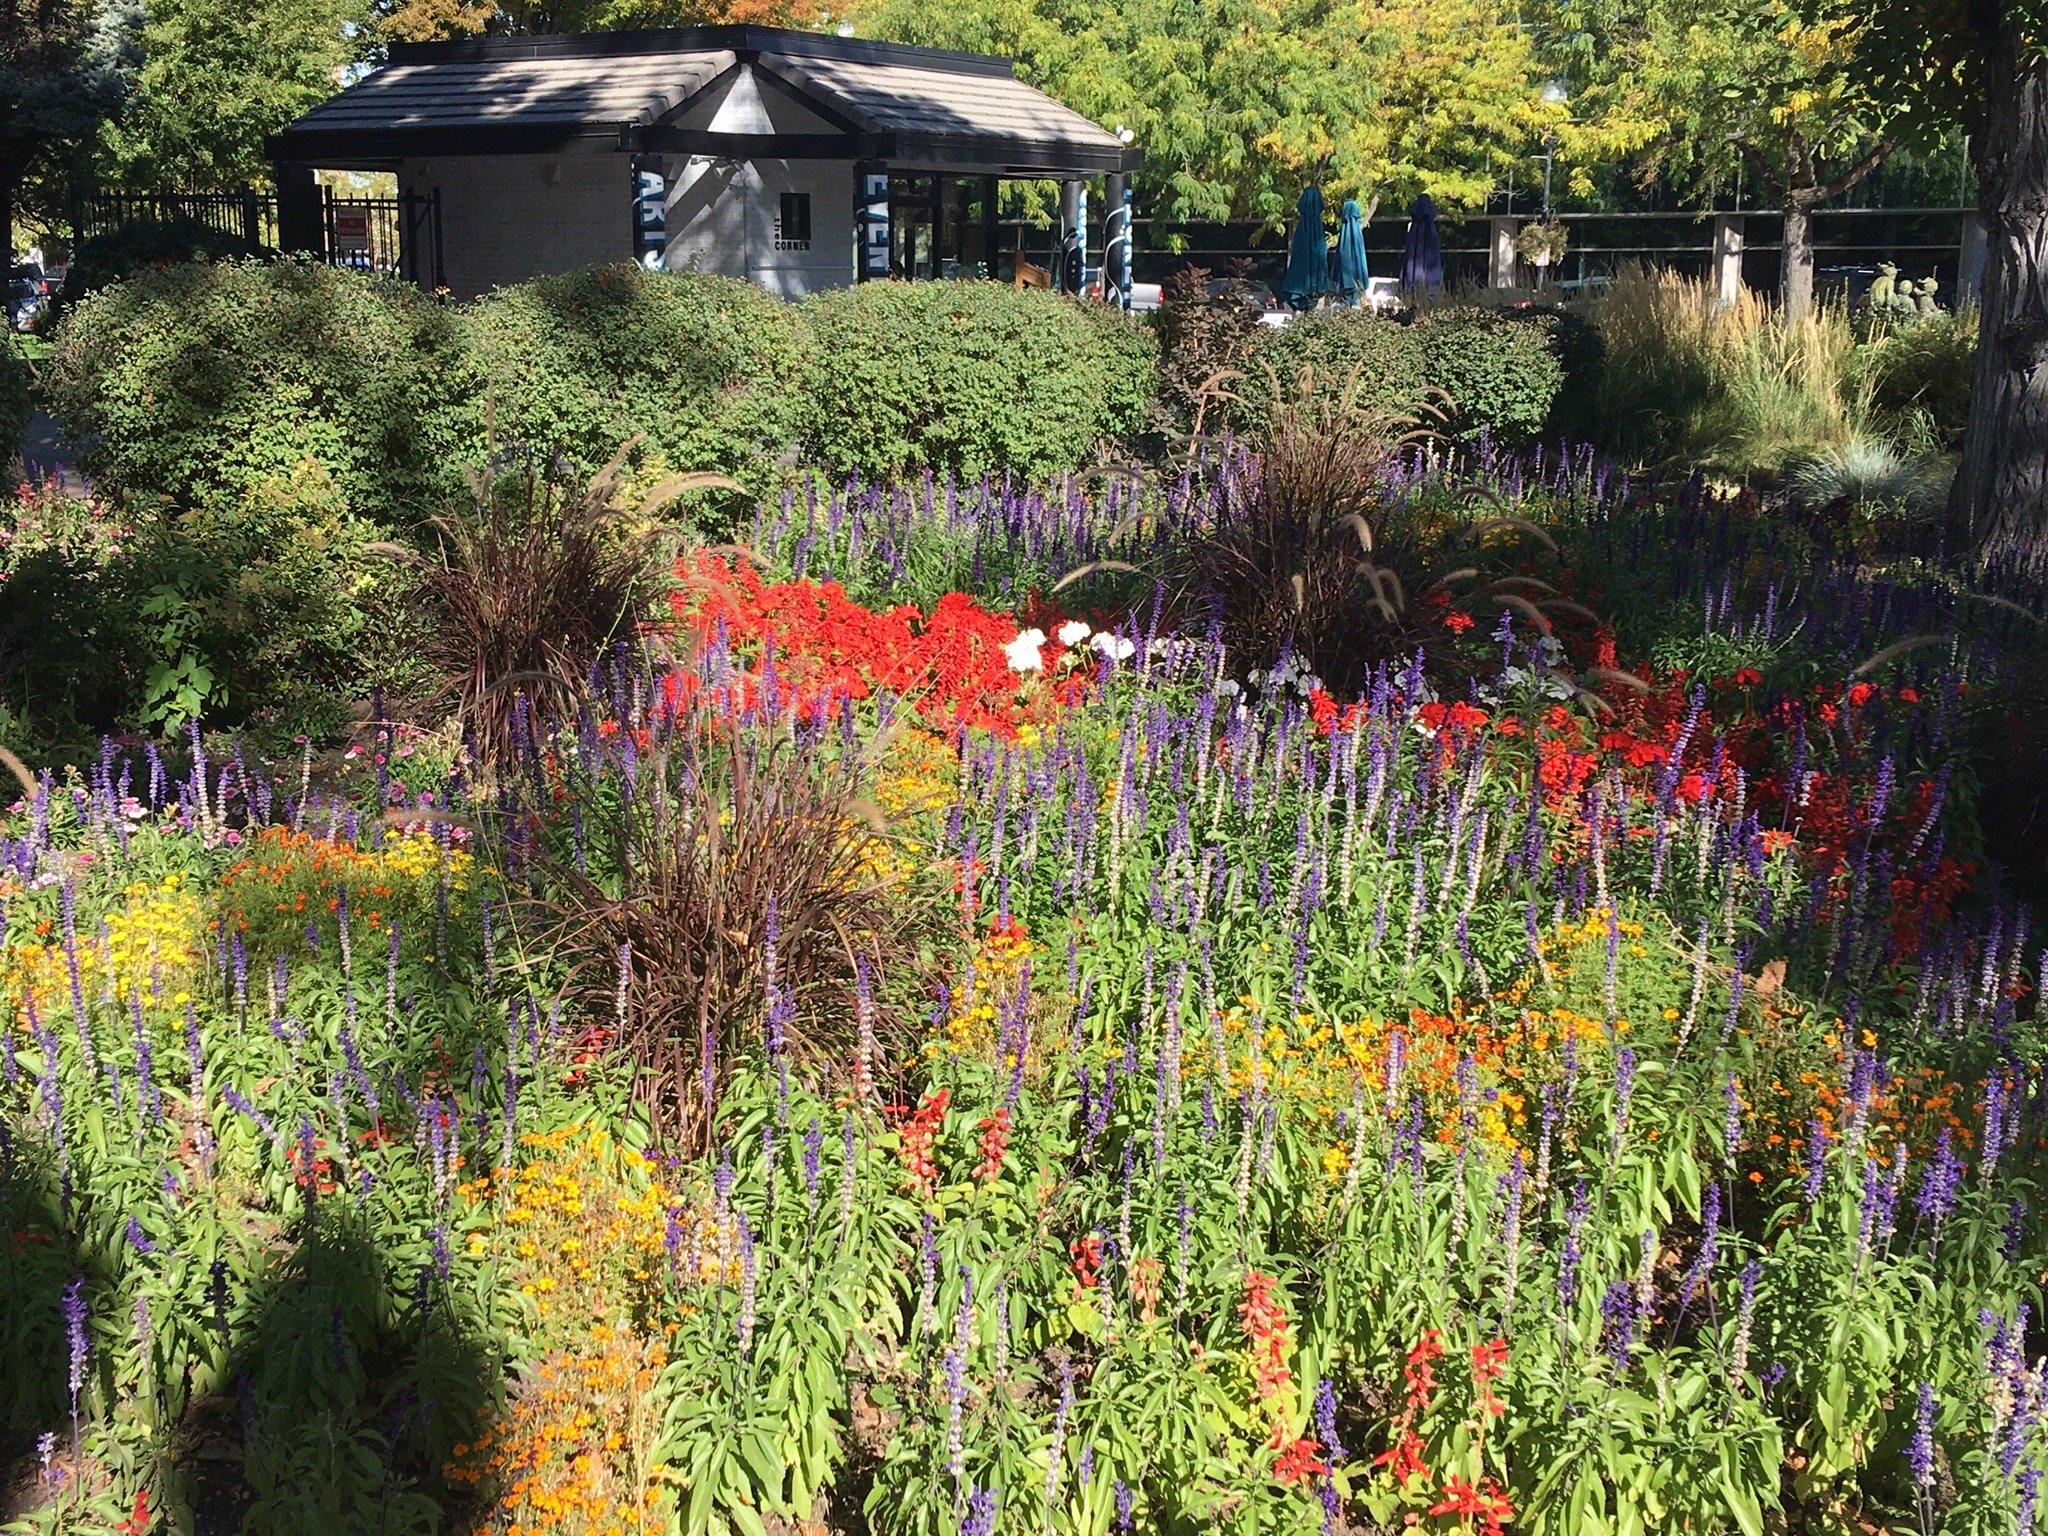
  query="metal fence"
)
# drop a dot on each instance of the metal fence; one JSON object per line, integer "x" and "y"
{"x": 1848, "y": 245}
{"x": 397, "y": 236}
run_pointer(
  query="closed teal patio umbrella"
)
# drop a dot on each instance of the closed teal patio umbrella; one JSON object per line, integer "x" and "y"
{"x": 1351, "y": 269}
{"x": 1308, "y": 259}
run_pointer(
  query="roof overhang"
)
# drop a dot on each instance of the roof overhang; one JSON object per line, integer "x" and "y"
{"x": 632, "y": 92}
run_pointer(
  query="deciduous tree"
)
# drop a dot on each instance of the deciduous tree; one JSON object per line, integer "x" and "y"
{"x": 64, "y": 66}
{"x": 1768, "y": 90}
{"x": 1238, "y": 103}
{"x": 1984, "y": 64}
{"x": 217, "y": 78}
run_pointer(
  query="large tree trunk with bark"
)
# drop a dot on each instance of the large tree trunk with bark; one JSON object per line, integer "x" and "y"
{"x": 1795, "y": 270}
{"x": 2000, "y": 497}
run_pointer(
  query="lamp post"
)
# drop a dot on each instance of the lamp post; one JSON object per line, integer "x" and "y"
{"x": 1554, "y": 95}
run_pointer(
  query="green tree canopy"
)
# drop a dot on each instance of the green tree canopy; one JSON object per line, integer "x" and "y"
{"x": 64, "y": 66}
{"x": 217, "y": 78}
{"x": 1239, "y": 103}
{"x": 1706, "y": 92}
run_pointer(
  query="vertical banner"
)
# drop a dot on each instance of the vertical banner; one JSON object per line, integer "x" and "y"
{"x": 874, "y": 225}
{"x": 650, "y": 212}
{"x": 1116, "y": 242}
{"x": 1073, "y": 236}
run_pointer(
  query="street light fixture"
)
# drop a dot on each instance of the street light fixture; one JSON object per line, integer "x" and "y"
{"x": 1554, "y": 95}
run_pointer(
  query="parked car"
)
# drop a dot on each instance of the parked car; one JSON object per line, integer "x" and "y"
{"x": 28, "y": 299}
{"x": 1382, "y": 295}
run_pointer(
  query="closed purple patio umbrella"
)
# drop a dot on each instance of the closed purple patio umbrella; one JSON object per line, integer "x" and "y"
{"x": 1422, "y": 264}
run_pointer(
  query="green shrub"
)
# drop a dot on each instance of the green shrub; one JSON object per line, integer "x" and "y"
{"x": 711, "y": 372}
{"x": 971, "y": 377}
{"x": 1919, "y": 373}
{"x": 17, "y": 403}
{"x": 119, "y": 254}
{"x": 1502, "y": 372}
{"x": 198, "y": 384}
{"x": 267, "y": 611}
{"x": 1339, "y": 348}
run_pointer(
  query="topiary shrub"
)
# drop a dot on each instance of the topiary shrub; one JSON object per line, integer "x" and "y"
{"x": 971, "y": 377}
{"x": 1338, "y": 346}
{"x": 710, "y": 372}
{"x": 118, "y": 254}
{"x": 197, "y": 384}
{"x": 1501, "y": 372}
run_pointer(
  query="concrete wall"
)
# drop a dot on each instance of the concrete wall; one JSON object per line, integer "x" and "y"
{"x": 721, "y": 213}
{"x": 506, "y": 218}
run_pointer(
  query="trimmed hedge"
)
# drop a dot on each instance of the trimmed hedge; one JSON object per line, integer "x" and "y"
{"x": 1379, "y": 359}
{"x": 204, "y": 384}
{"x": 972, "y": 377}
{"x": 1501, "y": 373}
{"x": 710, "y": 372}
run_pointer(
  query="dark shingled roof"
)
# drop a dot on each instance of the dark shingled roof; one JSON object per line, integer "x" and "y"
{"x": 624, "y": 89}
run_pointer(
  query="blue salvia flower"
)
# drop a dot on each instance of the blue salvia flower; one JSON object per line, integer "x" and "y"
{"x": 1939, "y": 1185}
{"x": 1920, "y": 1450}
{"x": 78, "y": 1344}
{"x": 1816, "y": 1162}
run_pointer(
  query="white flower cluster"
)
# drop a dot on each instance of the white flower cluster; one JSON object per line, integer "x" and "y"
{"x": 1026, "y": 653}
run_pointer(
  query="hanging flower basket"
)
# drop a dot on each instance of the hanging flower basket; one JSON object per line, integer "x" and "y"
{"x": 1542, "y": 245}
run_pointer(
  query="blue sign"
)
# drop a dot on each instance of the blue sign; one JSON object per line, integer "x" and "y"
{"x": 650, "y": 213}
{"x": 874, "y": 224}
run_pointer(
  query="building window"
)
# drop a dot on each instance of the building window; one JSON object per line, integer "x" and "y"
{"x": 793, "y": 222}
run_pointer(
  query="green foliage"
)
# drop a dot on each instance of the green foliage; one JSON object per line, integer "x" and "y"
{"x": 1486, "y": 371}
{"x": 136, "y": 247}
{"x": 200, "y": 384}
{"x": 216, "y": 80}
{"x": 975, "y": 378}
{"x": 17, "y": 402}
{"x": 265, "y": 610}
{"x": 1238, "y": 103}
{"x": 711, "y": 373}
{"x": 1502, "y": 372}
{"x": 1339, "y": 348}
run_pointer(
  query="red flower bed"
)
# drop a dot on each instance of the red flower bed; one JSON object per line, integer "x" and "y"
{"x": 806, "y": 644}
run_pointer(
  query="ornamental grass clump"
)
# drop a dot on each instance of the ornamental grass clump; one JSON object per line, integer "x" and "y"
{"x": 1285, "y": 549}
{"x": 528, "y": 587}
{"x": 719, "y": 882}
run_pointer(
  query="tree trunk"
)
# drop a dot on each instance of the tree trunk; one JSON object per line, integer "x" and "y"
{"x": 7, "y": 179}
{"x": 2000, "y": 497}
{"x": 1795, "y": 274}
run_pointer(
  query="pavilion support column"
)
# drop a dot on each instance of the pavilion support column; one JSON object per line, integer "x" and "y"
{"x": 1116, "y": 240}
{"x": 301, "y": 227}
{"x": 871, "y": 220}
{"x": 1727, "y": 258}
{"x": 1500, "y": 255}
{"x": 1073, "y": 255}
